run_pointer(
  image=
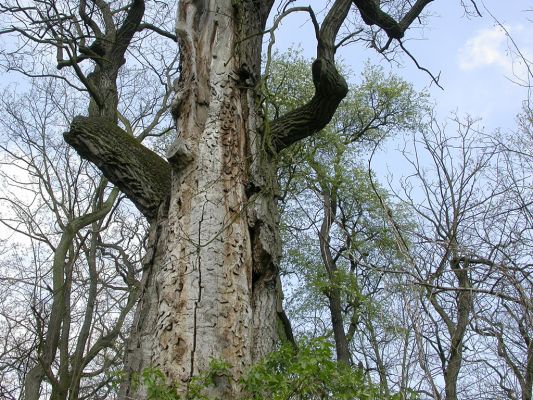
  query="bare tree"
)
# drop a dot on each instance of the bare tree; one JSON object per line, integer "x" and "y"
{"x": 73, "y": 284}
{"x": 460, "y": 256}
{"x": 506, "y": 321}
{"x": 77, "y": 339}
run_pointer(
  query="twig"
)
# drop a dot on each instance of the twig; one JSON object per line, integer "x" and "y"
{"x": 433, "y": 78}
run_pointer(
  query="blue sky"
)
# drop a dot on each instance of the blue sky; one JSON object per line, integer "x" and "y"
{"x": 471, "y": 54}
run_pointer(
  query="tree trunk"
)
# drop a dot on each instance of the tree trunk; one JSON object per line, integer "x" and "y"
{"x": 333, "y": 292}
{"x": 210, "y": 287}
{"x": 210, "y": 274}
{"x": 457, "y": 332}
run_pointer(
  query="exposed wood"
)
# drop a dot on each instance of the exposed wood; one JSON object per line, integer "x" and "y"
{"x": 210, "y": 286}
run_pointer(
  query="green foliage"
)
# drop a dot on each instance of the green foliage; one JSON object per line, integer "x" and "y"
{"x": 329, "y": 170}
{"x": 154, "y": 382}
{"x": 309, "y": 373}
{"x": 157, "y": 386}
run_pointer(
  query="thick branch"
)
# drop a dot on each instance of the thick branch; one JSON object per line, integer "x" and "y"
{"x": 330, "y": 27}
{"x": 373, "y": 15}
{"x": 330, "y": 89}
{"x": 137, "y": 171}
{"x": 157, "y": 30}
{"x": 127, "y": 30}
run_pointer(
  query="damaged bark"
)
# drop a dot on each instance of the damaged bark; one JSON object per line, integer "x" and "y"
{"x": 210, "y": 288}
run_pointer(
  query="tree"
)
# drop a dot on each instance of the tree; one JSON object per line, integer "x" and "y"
{"x": 70, "y": 299}
{"x": 335, "y": 232}
{"x": 210, "y": 287}
{"x": 75, "y": 337}
{"x": 506, "y": 322}
{"x": 467, "y": 256}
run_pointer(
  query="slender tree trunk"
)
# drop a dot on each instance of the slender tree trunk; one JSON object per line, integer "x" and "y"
{"x": 333, "y": 292}
{"x": 458, "y": 331}
{"x": 527, "y": 387}
{"x": 210, "y": 282}
{"x": 380, "y": 365}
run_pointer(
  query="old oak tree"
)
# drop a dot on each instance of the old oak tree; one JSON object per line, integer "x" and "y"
{"x": 210, "y": 288}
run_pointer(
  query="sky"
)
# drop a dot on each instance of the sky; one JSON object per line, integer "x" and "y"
{"x": 471, "y": 54}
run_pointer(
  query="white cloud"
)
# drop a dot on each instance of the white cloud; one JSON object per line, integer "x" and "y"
{"x": 487, "y": 48}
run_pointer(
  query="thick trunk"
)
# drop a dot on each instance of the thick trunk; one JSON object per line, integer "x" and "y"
{"x": 210, "y": 288}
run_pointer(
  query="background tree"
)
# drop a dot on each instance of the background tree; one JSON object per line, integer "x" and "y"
{"x": 334, "y": 228}
{"x": 69, "y": 287}
{"x": 465, "y": 253}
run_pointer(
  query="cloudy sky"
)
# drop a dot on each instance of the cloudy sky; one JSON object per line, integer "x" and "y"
{"x": 472, "y": 55}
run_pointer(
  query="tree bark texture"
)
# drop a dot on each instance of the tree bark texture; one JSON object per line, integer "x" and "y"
{"x": 210, "y": 286}
{"x": 137, "y": 171}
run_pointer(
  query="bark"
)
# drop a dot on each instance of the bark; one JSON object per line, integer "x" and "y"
{"x": 330, "y": 87}
{"x": 452, "y": 361}
{"x": 108, "y": 52}
{"x": 380, "y": 365}
{"x": 210, "y": 288}
{"x": 458, "y": 331}
{"x": 527, "y": 386}
{"x": 137, "y": 171}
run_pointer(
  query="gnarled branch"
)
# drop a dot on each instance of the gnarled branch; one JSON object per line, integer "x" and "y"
{"x": 330, "y": 87}
{"x": 372, "y": 14}
{"x": 136, "y": 170}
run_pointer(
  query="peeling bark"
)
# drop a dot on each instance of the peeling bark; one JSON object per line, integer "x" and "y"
{"x": 210, "y": 288}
